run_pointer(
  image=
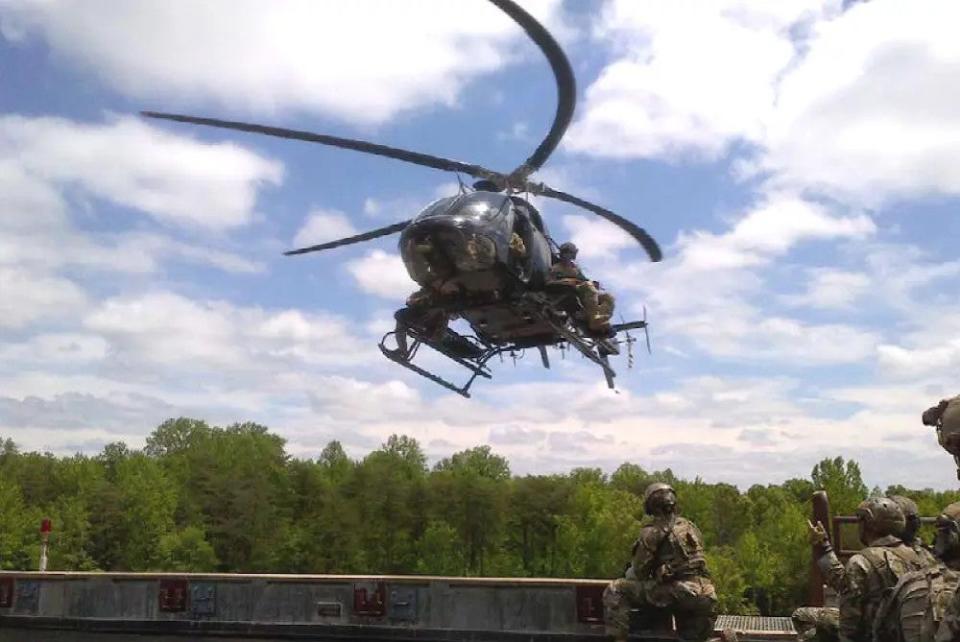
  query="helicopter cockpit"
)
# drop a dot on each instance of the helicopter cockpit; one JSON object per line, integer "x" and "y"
{"x": 460, "y": 240}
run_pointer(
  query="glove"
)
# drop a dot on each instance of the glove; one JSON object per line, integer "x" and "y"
{"x": 663, "y": 573}
{"x": 817, "y": 534}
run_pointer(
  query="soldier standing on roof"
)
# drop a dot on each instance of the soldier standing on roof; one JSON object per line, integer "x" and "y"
{"x": 668, "y": 571}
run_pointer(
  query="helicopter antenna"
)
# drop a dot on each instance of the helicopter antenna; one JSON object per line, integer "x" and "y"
{"x": 566, "y": 88}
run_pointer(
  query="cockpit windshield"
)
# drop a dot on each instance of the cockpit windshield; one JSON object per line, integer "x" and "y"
{"x": 475, "y": 206}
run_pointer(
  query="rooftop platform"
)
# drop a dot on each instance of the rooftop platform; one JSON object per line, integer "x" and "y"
{"x": 122, "y": 607}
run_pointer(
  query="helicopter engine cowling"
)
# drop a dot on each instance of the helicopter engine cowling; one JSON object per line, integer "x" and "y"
{"x": 460, "y": 243}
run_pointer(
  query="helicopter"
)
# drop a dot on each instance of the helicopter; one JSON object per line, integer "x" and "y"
{"x": 484, "y": 254}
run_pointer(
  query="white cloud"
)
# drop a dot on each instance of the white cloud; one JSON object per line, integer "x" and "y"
{"x": 689, "y": 77}
{"x": 712, "y": 292}
{"x": 29, "y": 298}
{"x": 163, "y": 329}
{"x": 382, "y": 275}
{"x": 175, "y": 179}
{"x": 829, "y": 288}
{"x": 868, "y": 113}
{"x": 63, "y": 348}
{"x": 897, "y": 361}
{"x": 747, "y": 333}
{"x": 855, "y": 104}
{"x": 768, "y": 230}
{"x": 361, "y": 61}
{"x": 322, "y": 226}
{"x": 596, "y": 238}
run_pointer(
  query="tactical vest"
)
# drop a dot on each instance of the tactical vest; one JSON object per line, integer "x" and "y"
{"x": 948, "y": 433}
{"x": 913, "y": 610}
{"x": 566, "y": 270}
{"x": 681, "y": 549}
{"x": 887, "y": 565}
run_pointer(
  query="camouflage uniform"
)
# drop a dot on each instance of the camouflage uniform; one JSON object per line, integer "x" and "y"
{"x": 922, "y": 601}
{"x": 597, "y": 304}
{"x": 915, "y": 608}
{"x": 949, "y": 630}
{"x": 816, "y": 624}
{"x": 875, "y": 569}
{"x": 668, "y": 572}
{"x": 832, "y": 568}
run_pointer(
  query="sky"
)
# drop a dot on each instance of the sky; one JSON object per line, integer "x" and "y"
{"x": 798, "y": 161}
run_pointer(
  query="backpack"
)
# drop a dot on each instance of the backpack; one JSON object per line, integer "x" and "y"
{"x": 913, "y": 609}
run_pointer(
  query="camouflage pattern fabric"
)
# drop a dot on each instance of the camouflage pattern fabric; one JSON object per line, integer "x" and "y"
{"x": 869, "y": 574}
{"x": 926, "y": 557}
{"x": 949, "y": 630}
{"x": 566, "y": 270}
{"x": 916, "y": 606}
{"x": 832, "y": 570}
{"x": 816, "y": 623}
{"x": 597, "y": 304}
{"x": 668, "y": 571}
{"x": 692, "y": 602}
{"x": 517, "y": 246}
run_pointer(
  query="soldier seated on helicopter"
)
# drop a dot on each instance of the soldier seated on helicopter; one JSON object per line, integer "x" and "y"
{"x": 423, "y": 310}
{"x": 597, "y": 304}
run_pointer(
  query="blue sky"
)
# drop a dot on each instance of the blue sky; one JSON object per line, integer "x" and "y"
{"x": 797, "y": 161}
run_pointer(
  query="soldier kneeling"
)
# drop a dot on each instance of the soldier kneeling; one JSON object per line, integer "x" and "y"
{"x": 668, "y": 572}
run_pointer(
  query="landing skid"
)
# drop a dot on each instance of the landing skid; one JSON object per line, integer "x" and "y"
{"x": 474, "y": 353}
{"x": 476, "y": 365}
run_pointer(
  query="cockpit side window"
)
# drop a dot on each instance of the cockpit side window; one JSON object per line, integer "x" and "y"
{"x": 531, "y": 212}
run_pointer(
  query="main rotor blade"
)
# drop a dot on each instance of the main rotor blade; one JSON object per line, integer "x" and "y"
{"x": 418, "y": 158}
{"x": 359, "y": 238}
{"x": 631, "y": 228}
{"x": 562, "y": 74}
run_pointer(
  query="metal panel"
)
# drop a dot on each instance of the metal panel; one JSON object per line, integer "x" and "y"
{"x": 755, "y": 624}
{"x": 590, "y": 603}
{"x": 173, "y": 596}
{"x": 329, "y": 609}
{"x": 369, "y": 599}
{"x": 6, "y": 592}
{"x": 28, "y": 597}
{"x": 203, "y": 598}
{"x": 403, "y": 604}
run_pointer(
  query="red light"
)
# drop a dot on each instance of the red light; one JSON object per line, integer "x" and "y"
{"x": 46, "y": 526}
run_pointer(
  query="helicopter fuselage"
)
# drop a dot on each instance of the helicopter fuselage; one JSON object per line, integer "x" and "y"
{"x": 461, "y": 245}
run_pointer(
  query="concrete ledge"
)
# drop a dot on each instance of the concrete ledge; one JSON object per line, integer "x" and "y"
{"x": 122, "y": 606}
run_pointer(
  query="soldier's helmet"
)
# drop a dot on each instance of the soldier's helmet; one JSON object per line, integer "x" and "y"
{"x": 947, "y": 539}
{"x": 568, "y": 250}
{"x": 882, "y": 515}
{"x": 953, "y": 511}
{"x": 656, "y": 495}
{"x": 911, "y": 516}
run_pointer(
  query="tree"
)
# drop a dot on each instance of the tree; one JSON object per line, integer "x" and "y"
{"x": 334, "y": 461}
{"x": 174, "y": 436}
{"x": 480, "y": 461}
{"x": 186, "y": 550}
{"x": 843, "y": 483}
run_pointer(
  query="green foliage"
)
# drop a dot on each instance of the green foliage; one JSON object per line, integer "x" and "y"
{"x": 208, "y": 498}
{"x": 186, "y": 550}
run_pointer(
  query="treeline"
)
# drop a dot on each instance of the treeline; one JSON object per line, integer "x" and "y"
{"x": 203, "y": 498}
